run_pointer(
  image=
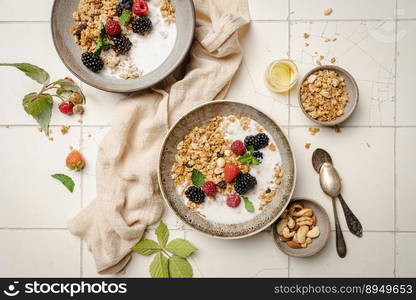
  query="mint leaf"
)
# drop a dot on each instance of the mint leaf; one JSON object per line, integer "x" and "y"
{"x": 179, "y": 267}
{"x": 32, "y": 71}
{"x": 248, "y": 204}
{"x": 68, "y": 85}
{"x": 162, "y": 233}
{"x": 40, "y": 108}
{"x": 159, "y": 267}
{"x": 146, "y": 247}
{"x": 101, "y": 42}
{"x": 65, "y": 180}
{"x": 248, "y": 158}
{"x": 125, "y": 17}
{"x": 250, "y": 148}
{"x": 197, "y": 178}
{"x": 181, "y": 247}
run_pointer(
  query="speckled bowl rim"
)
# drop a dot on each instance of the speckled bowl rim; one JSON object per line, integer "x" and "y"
{"x": 159, "y": 177}
{"x": 346, "y": 115}
{"x": 302, "y": 253}
{"x": 149, "y": 83}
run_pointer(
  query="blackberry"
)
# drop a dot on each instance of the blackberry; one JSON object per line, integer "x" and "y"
{"x": 127, "y": 4}
{"x": 95, "y": 64}
{"x": 222, "y": 185}
{"x": 195, "y": 194}
{"x": 121, "y": 44}
{"x": 244, "y": 183}
{"x": 141, "y": 25}
{"x": 258, "y": 141}
{"x": 119, "y": 10}
{"x": 258, "y": 155}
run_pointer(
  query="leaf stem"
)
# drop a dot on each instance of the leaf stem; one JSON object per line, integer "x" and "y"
{"x": 167, "y": 254}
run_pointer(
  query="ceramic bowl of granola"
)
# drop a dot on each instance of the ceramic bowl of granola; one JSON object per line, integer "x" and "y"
{"x": 226, "y": 169}
{"x": 328, "y": 95}
{"x": 303, "y": 228}
{"x": 122, "y": 45}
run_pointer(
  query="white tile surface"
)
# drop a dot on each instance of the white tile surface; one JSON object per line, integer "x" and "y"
{"x": 268, "y": 9}
{"x": 25, "y": 10}
{"x": 39, "y": 253}
{"x": 406, "y": 164}
{"x": 353, "y": 9}
{"x": 406, "y": 262}
{"x": 367, "y": 172}
{"x": 406, "y": 9}
{"x": 354, "y": 50}
{"x": 362, "y": 259}
{"x": 406, "y": 60}
{"x": 30, "y": 197}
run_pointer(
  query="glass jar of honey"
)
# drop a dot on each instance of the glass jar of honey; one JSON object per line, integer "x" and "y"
{"x": 281, "y": 75}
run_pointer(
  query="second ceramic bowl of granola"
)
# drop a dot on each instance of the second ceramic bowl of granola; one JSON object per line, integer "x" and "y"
{"x": 267, "y": 206}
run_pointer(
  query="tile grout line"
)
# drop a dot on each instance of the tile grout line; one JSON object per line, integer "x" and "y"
{"x": 395, "y": 141}
{"x": 289, "y": 24}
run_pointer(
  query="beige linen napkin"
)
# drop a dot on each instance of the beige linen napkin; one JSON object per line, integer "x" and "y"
{"x": 128, "y": 198}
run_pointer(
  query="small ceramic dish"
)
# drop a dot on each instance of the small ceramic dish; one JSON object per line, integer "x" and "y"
{"x": 70, "y": 52}
{"x": 322, "y": 221}
{"x": 198, "y": 116}
{"x": 352, "y": 89}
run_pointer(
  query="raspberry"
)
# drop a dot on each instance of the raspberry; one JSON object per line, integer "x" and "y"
{"x": 121, "y": 44}
{"x": 258, "y": 155}
{"x": 141, "y": 25}
{"x": 230, "y": 172}
{"x": 222, "y": 185}
{"x": 69, "y": 79}
{"x": 93, "y": 63}
{"x": 195, "y": 194}
{"x": 244, "y": 183}
{"x": 258, "y": 141}
{"x": 66, "y": 108}
{"x": 233, "y": 200}
{"x": 140, "y": 8}
{"x": 112, "y": 28}
{"x": 238, "y": 147}
{"x": 209, "y": 188}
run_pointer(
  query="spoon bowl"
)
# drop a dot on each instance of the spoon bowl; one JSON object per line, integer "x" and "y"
{"x": 330, "y": 180}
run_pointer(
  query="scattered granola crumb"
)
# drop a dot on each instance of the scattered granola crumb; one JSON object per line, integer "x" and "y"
{"x": 327, "y": 11}
{"x": 307, "y": 145}
{"x": 7, "y": 126}
{"x": 306, "y": 35}
{"x": 332, "y": 60}
{"x": 306, "y": 44}
{"x": 50, "y": 131}
{"x": 318, "y": 62}
{"x": 40, "y": 129}
{"x": 272, "y": 147}
{"x": 89, "y": 135}
{"x": 334, "y": 39}
{"x": 65, "y": 129}
{"x": 327, "y": 40}
{"x": 368, "y": 145}
{"x": 313, "y": 130}
{"x": 337, "y": 129}
{"x": 80, "y": 121}
{"x": 50, "y": 138}
{"x": 321, "y": 57}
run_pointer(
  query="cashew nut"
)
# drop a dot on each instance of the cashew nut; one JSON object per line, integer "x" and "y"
{"x": 291, "y": 223}
{"x": 307, "y": 212}
{"x": 303, "y": 223}
{"x": 306, "y": 243}
{"x": 287, "y": 234}
{"x": 282, "y": 224}
{"x": 302, "y": 219}
{"x": 313, "y": 233}
{"x": 301, "y": 234}
{"x": 295, "y": 207}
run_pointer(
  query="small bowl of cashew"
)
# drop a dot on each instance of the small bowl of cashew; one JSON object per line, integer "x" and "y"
{"x": 303, "y": 228}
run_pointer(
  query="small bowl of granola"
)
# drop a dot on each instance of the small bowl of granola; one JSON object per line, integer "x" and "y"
{"x": 303, "y": 228}
{"x": 328, "y": 95}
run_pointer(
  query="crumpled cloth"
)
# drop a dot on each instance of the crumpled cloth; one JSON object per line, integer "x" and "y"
{"x": 128, "y": 197}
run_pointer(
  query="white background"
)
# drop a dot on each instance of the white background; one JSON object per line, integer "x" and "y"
{"x": 374, "y": 153}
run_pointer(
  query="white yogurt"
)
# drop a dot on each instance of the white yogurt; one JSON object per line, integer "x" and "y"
{"x": 148, "y": 51}
{"x": 217, "y": 210}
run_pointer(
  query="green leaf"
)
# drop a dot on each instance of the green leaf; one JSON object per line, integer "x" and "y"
{"x": 159, "y": 267}
{"x": 101, "y": 42}
{"x": 40, "y": 108}
{"x": 250, "y": 148}
{"x": 32, "y": 71}
{"x": 68, "y": 85}
{"x": 181, "y": 247}
{"x": 146, "y": 247}
{"x": 65, "y": 180}
{"x": 248, "y": 158}
{"x": 125, "y": 17}
{"x": 248, "y": 204}
{"x": 179, "y": 267}
{"x": 162, "y": 233}
{"x": 197, "y": 178}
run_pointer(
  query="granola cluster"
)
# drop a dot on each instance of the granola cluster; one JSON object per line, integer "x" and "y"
{"x": 168, "y": 11}
{"x": 88, "y": 19}
{"x": 324, "y": 95}
{"x": 206, "y": 149}
{"x": 267, "y": 196}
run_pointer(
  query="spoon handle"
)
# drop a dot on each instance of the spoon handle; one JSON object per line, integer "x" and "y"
{"x": 353, "y": 223}
{"x": 340, "y": 242}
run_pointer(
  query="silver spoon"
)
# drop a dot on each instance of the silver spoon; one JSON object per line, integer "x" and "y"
{"x": 331, "y": 185}
{"x": 319, "y": 157}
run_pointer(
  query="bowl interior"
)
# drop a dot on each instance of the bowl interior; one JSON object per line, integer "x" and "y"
{"x": 322, "y": 220}
{"x": 352, "y": 89}
{"x": 199, "y": 116}
{"x": 70, "y": 53}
